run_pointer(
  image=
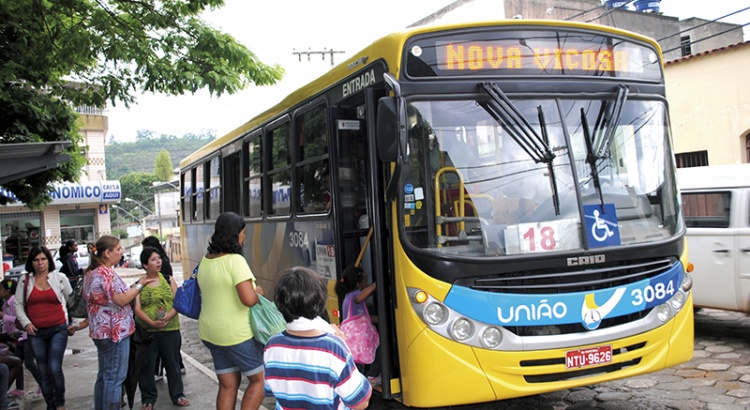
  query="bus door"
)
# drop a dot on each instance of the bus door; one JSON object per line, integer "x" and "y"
{"x": 350, "y": 188}
{"x": 358, "y": 187}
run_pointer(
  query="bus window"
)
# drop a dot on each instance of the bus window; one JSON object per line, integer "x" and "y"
{"x": 280, "y": 173}
{"x": 214, "y": 188}
{"x": 254, "y": 176}
{"x": 187, "y": 198}
{"x": 199, "y": 177}
{"x": 312, "y": 168}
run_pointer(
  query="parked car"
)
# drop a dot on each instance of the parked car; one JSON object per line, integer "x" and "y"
{"x": 133, "y": 257}
{"x": 716, "y": 205}
{"x": 83, "y": 262}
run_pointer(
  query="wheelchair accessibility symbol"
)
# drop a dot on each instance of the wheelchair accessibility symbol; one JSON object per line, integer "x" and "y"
{"x": 602, "y": 228}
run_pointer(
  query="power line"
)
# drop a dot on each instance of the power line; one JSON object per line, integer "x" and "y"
{"x": 323, "y": 53}
{"x": 705, "y": 38}
{"x": 703, "y": 24}
{"x": 608, "y": 12}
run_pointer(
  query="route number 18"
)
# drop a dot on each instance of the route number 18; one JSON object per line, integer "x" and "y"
{"x": 539, "y": 239}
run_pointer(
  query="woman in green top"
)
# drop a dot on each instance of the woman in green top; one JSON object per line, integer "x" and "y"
{"x": 153, "y": 311}
{"x": 227, "y": 291}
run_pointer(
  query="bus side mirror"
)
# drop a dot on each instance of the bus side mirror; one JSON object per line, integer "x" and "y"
{"x": 387, "y": 129}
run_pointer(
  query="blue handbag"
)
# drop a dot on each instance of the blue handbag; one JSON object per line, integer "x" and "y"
{"x": 187, "y": 299}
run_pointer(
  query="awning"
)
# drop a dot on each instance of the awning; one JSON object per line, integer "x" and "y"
{"x": 21, "y": 160}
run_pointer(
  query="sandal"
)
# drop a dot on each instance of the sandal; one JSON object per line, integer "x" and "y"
{"x": 147, "y": 406}
{"x": 182, "y": 402}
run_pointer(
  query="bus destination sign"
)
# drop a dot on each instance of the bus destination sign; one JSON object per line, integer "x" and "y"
{"x": 489, "y": 55}
{"x": 531, "y": 53}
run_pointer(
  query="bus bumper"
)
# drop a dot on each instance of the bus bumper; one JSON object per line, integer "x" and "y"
{"x": 436, "y": 371}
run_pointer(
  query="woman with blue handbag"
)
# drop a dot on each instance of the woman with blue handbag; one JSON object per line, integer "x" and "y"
{"x": 227, "y": 291}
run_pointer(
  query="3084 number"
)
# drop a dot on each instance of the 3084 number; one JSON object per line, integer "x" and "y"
{"x": 651, "y": 293}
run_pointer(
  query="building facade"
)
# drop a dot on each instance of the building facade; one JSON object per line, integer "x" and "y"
{"x": 709, "y": 104}
{"x": 79, "y": 211}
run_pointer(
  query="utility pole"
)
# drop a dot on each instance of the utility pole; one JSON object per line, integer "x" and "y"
{"x": 323, "y": 53}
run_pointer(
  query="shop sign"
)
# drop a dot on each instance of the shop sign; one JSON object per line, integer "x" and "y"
{"x": 87, "y": 192}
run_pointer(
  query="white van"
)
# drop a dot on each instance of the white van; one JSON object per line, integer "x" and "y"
{"x": 716, "y": 204}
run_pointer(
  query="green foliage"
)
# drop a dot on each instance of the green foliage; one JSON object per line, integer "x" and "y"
{"x": 163, "y": 166}
{"x": 28, "y": 116}
{"x": 116, "y": 47}
{"x": 55, "y": 55}
{"x": 129, "y": 157}
{"x": 138, "y": 187}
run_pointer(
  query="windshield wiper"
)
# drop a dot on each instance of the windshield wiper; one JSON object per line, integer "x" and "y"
{"x": 609, "y": 119}
{"x": 510, "y": 118}
{"x": 606, "y": 125}
{"x": 550, "y": 166}
{"x": 502, "y": 109}
{"x": 591, "y": 159}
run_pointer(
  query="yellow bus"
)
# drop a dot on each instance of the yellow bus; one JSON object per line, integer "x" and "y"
{"x": 510, "y": 187}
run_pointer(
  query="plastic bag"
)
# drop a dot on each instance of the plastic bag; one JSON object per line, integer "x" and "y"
{"x": 187, "y": 299}
{"x": 266, "y": 320}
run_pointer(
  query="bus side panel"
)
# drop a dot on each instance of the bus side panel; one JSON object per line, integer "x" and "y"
{"x": 679, "y": 351}
{"x": 434, "y": 370}
{"x": 195, "y": 242}
{"x": 272, "y": 247}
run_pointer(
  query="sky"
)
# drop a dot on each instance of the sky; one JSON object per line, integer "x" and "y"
{"x": 275, "y": 29}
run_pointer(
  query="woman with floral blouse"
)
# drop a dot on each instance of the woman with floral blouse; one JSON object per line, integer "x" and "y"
{"x": 111, "y": 320}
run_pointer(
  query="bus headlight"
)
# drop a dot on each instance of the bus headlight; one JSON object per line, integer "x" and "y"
{"x": 662, "y": 312}
{"x": 434, "y": 314}
{"x": 687, "y": 283}
{"x": 491, "y": 337}
{"x": 678, "y": 300}
{"x": 462, "y": 329}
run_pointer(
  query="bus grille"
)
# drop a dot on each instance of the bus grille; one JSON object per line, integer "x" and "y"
{"x": 571, "y": 280}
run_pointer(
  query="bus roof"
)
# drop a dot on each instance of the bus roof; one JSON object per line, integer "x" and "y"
{"x": 388, "y": 48}
{"x": 714, "y": 176}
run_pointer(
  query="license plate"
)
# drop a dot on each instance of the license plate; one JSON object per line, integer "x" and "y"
{"x": 593, "y": 356}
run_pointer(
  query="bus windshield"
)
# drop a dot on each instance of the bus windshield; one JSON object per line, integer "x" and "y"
{"x": 554, "y": 175}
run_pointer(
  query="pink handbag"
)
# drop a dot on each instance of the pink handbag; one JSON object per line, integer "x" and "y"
{"x": 361, "y": 336}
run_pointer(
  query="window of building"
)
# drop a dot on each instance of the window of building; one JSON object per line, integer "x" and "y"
{"x": 19, "y": 233}
{"x": 685, "y": 45}
{"x": 692, "y": 159}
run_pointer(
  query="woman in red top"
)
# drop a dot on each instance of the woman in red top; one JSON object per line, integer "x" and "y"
{"x": 40, "y": 301}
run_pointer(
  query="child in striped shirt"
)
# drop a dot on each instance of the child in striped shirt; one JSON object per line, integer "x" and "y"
{"x": 309, "y": 365}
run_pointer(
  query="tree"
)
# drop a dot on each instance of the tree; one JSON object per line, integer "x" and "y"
{"x": 163, "y": 166}
{"x": 56, "y": 55}
{"x": 138, "y": 186}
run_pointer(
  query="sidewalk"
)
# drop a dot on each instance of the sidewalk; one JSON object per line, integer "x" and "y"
{"x": 80, "y": 367}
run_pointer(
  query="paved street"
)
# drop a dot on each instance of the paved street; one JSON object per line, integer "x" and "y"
{"x": 718, "y": 377}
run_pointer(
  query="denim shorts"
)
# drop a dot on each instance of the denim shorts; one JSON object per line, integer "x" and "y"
{"x": 246, "y": 357}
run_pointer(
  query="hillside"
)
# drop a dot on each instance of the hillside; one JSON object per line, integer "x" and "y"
{"x": 128, "y": 157}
